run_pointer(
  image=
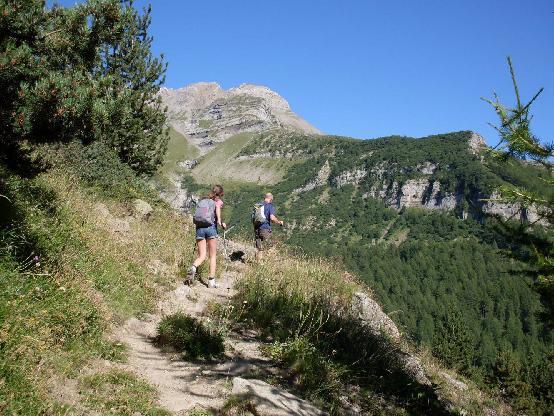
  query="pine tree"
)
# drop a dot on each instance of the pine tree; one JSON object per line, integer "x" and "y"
{"x": 84, "y": 73}
{"x": 135, "y": 126}
{"x": 453, "y": 342}
{"x": 517, "y": 141}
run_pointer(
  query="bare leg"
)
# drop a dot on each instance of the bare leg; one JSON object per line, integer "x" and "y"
{"x": 212, "y": 252}
{"x": 201, "y": 256}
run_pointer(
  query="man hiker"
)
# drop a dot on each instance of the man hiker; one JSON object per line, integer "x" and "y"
{"x": 262, "y": 217}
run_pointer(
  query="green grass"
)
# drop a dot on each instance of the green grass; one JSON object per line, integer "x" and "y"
{"x": 310, "y": 370}
{"x": 121, "y": 393}
{"x": 238, "y": 406}
{"x": 219, "y": 165}
{"x": 55, "y": 312}
{"x": 205, "y": 124}
{"x": 303, "y": 305}
{"x": 178, "y": 149}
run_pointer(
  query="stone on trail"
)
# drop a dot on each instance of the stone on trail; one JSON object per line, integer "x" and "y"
{"x": 272, "y": 401}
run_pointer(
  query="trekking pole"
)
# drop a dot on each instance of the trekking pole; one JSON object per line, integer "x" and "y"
{"x": 225, "y": 260}
{"x": 226, "y": 253}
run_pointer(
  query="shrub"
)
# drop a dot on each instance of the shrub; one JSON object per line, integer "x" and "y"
{"x": 98, "y": 166}
{"x": 189, "y": 336}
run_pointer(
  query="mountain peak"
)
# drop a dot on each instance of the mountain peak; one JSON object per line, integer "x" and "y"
{"x": 263, "y": 92}
{"x": 208, "y": 114}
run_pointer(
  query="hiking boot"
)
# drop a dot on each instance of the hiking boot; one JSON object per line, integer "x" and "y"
{"x": 190, "y": 275}
{"x": 212, "y": 283}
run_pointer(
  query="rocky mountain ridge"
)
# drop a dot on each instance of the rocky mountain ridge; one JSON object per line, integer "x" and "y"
{"x": 207, "y": 114}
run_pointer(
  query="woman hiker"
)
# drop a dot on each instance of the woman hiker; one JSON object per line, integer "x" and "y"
{"x": 207, "y": 218}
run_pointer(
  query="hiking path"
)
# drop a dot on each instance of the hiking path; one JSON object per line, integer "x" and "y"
{"x": 187, "y": 385}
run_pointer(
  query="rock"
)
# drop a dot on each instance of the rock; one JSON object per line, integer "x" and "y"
{"x": 272, "y": 401}
{"x": 320, "y": 180}
{"x": 412, "y": 192}
{"x": 412, "y": 366}
{"x": 476, "y": 143}
{"x": 115, "y": 225}
{"x": 208, "y": 114}
{"x": 158, "y": 268}
{"x": 457, "y": 384}
{"x": 371, "y": 314}
{"x": 496, "y": 205}
{"x": 102, "y": 210}
{"x": 177, "y": 197}
{"x": 188, "y": 164}
{"x": 427, "y": 168}
{"x": 119, "y": 226}
{"x": 142, "y": 209}
{"x": 418, "y": 193}
{"x": 353, "y": 177}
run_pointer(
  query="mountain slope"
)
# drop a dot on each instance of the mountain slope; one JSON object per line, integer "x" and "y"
{"x": 105, "y": 258}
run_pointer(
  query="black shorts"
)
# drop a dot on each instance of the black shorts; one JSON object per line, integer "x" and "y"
{"x": 263, "y": 238}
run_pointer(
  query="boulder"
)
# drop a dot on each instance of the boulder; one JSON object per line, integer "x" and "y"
{"x": 115, "y": 225}
{"x": 414, "y": 368}
{"x": 371, "y": 314}
{"x": 141, "y": 209}
{"x": 188, "y": 164}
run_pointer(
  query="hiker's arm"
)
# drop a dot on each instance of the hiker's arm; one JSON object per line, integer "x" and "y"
{"x": 218, "y": 215}
{"x": 276, "y": 220}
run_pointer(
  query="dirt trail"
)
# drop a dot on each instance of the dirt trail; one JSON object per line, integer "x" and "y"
{"x": 184, "y": 385}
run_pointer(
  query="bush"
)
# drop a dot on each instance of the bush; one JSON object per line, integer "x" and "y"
{"x": 98, "y": 166}
{"x": 189, "y": 336}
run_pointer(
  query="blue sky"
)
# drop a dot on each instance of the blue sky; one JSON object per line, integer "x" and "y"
{"x": 368, "y": 68}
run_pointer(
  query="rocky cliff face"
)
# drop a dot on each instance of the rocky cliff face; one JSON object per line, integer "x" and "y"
{"x": 421, "y": 187}
{"x": 208, "y": 114}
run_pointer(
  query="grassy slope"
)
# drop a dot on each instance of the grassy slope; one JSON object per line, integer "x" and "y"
{"x": 327, "y": 356}
{"x": 55, "y": 317}
{"x": 219, "y": 164}
{"x": 178, "y": 149}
